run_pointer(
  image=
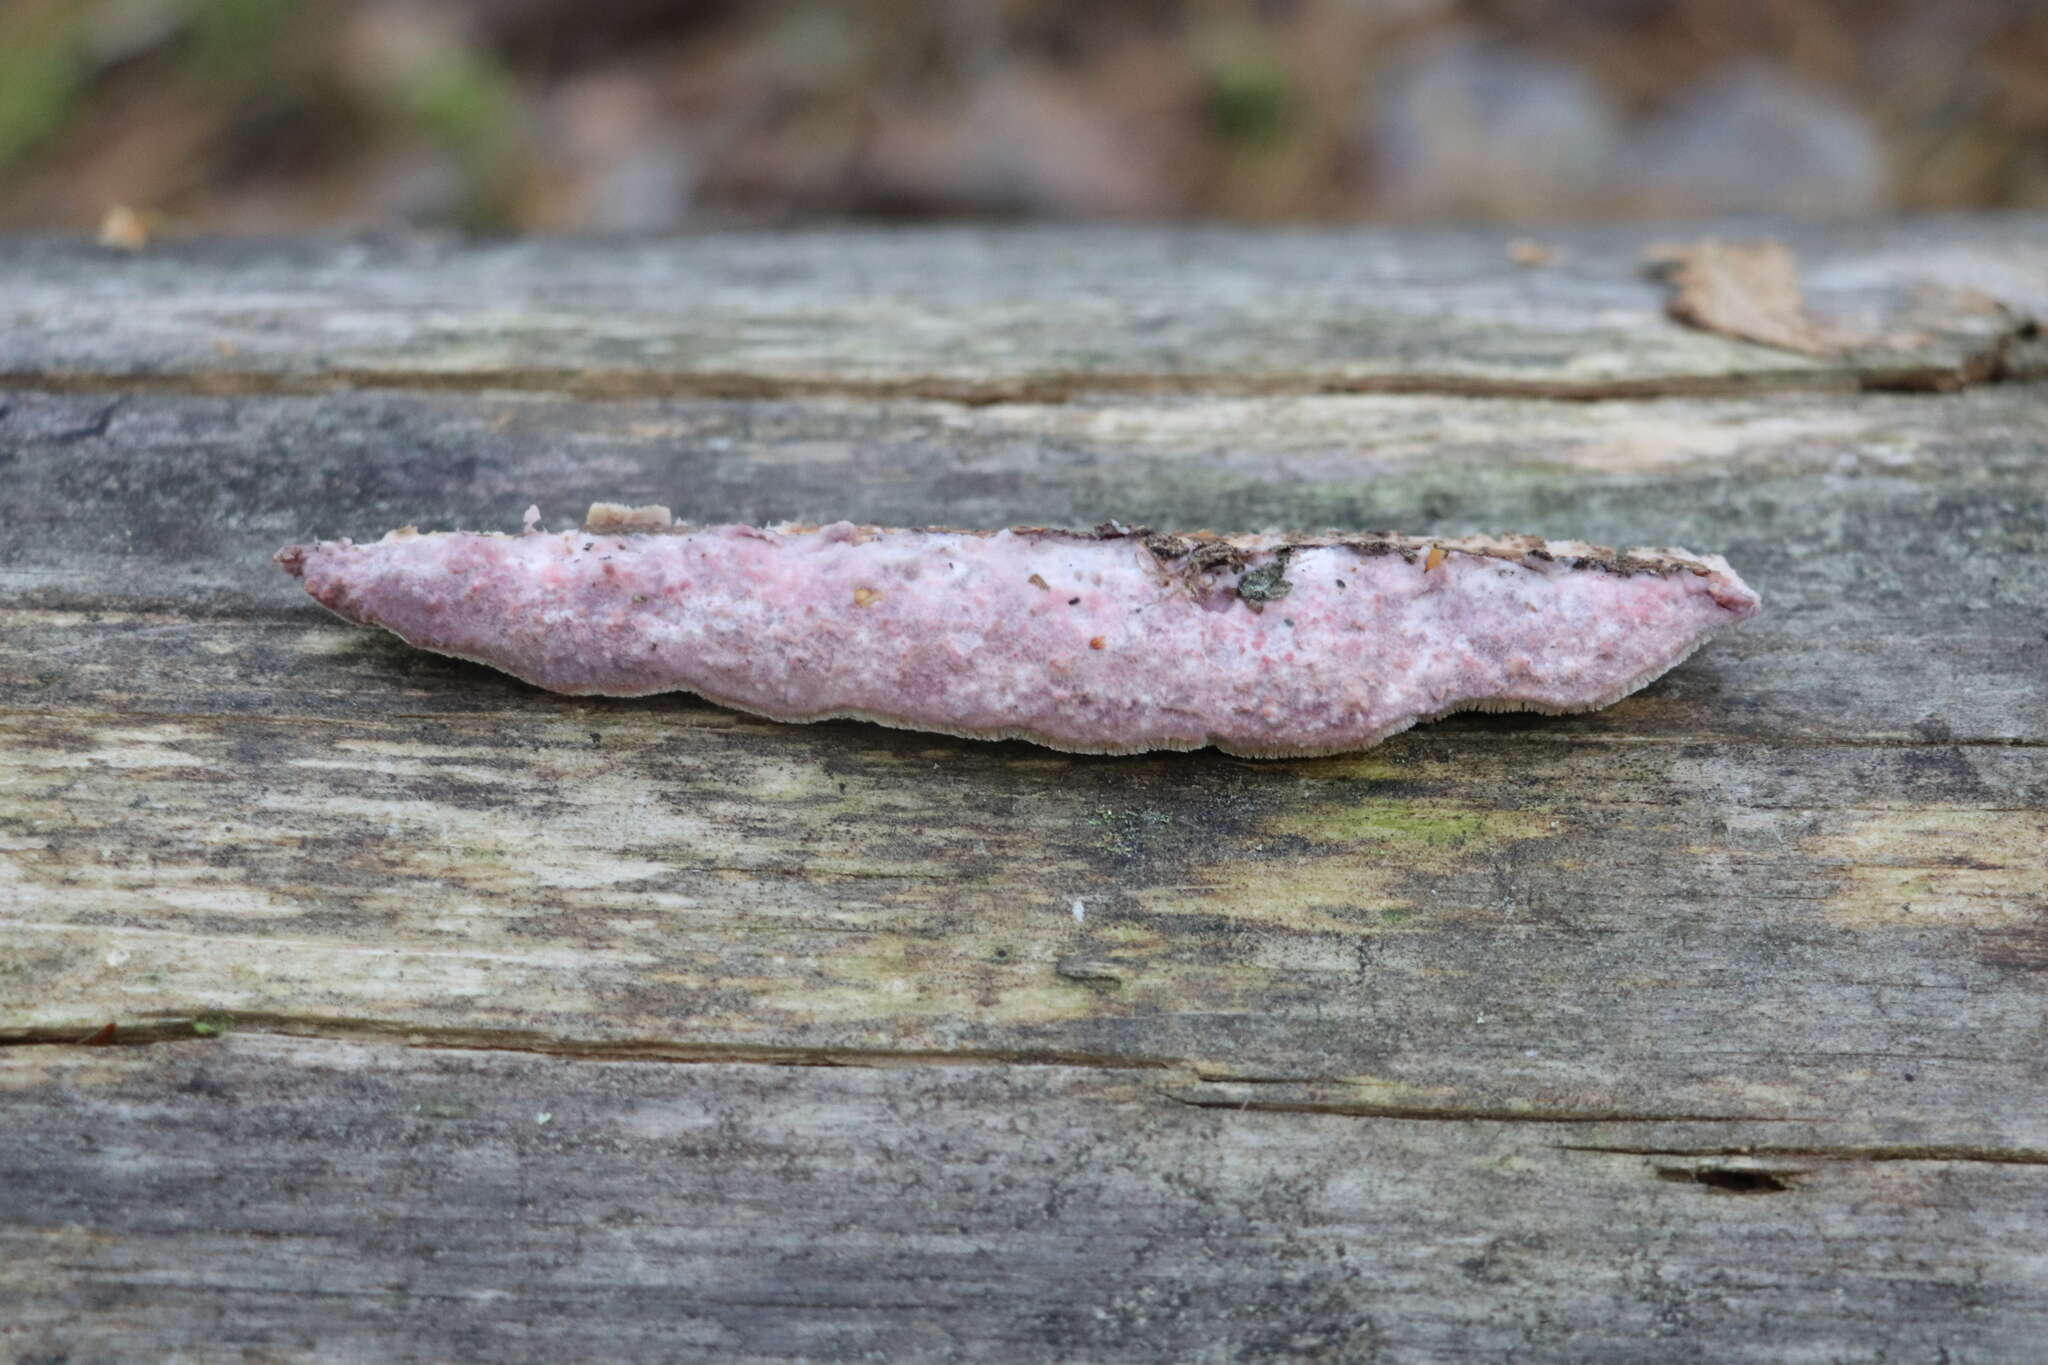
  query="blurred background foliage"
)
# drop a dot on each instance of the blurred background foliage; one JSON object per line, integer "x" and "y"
{"x": 633, "y": 115}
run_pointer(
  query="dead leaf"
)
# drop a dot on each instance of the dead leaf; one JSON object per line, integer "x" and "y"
{"x": 124, "y": 229}
{"x": 1747, "y": 290}
{"x": 1958, "y": 312}
{"x": 101, "y": 1036}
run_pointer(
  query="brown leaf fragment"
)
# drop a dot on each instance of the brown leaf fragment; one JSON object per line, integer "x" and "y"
{"x": 1746, "y": 290}
{"x": 100, "y": 1037}
{"x": 865, "y": 597}
{"x": 1038, "y": 581}
{"x": 1436, "y": 557}
{"x": 123, "y": 229}
{"x": 1097, "y": 642}
{"x": 1524, "y": 252}
{"x": 611, "y": 518}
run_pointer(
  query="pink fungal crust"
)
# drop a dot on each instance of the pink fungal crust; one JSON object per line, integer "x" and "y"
{"x": 1114, "y": 641}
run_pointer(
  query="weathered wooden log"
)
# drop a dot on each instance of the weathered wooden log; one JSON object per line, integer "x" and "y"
{"x": 470, "y": 1019}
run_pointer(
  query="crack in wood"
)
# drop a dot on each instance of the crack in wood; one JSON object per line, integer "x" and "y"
{"x": 184, "y": 1028}
{"x": 1733, "y": 1179}
{"x": 1739, "y": 1179}
{"x": 1462, "y": 1113}
{"x": 212, "y": 1027}
{"x": 1989, "y": 366}
{"x": 1997, "y": 1156}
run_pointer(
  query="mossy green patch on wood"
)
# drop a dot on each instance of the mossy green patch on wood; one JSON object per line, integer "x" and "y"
{"x": 1378, "y": 765}
{"x": 1335, "y": 865}
{"x": 995, "y": 970}
{"x": 1410, "y": 827}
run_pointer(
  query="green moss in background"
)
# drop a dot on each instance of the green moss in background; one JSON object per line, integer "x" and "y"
{"x": 42, "y": 74}
{"x": 226, "y": 38}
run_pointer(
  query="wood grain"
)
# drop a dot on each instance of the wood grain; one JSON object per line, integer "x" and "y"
{"x": 1708, "y": 1026}
{"x": 254, "y": 1197}
{"x": 985, "y": 314}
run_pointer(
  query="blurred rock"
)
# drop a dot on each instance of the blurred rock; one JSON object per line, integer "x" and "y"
{"x": 1753, "y": 140}
{"x": 631, "y": 170}
{"x": 1472, "y": 128}
{"x": 1024, "y": 145}
{"x": 415, "y": 186}
{"x": 645, "y": 189}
